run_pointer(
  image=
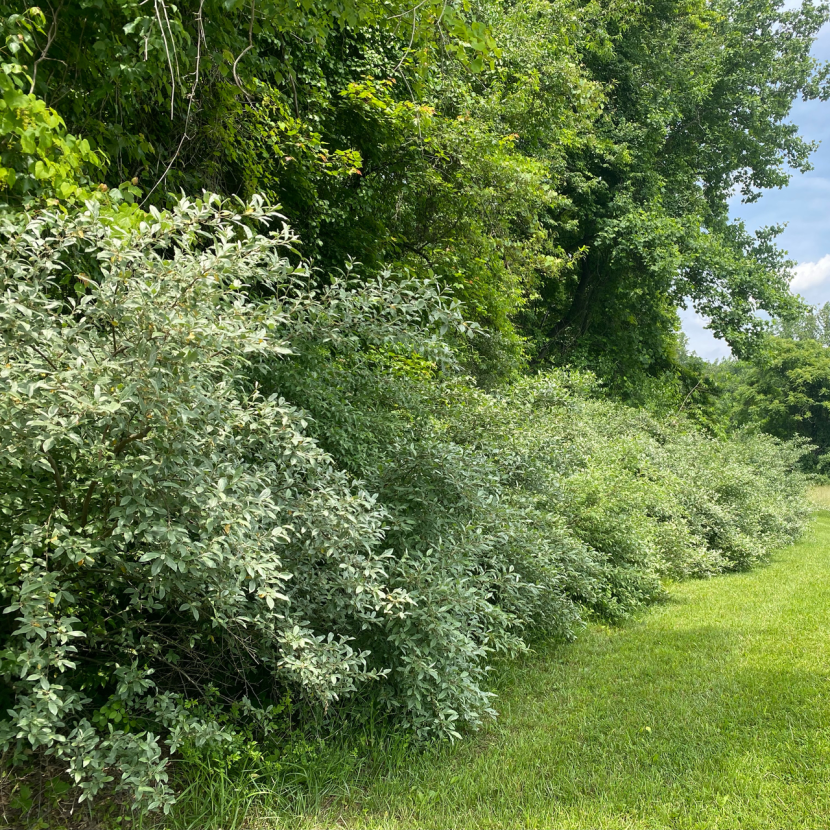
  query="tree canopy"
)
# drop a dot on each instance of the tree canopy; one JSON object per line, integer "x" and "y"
{"x": 564, "y": 166}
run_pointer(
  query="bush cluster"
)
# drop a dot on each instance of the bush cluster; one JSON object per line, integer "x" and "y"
{"x": 226, "y": 479}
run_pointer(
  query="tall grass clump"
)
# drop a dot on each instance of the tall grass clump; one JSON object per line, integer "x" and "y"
{"x": 238, "y": 496}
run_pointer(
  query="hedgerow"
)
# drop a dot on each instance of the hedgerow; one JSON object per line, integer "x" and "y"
{"x": 227, "y": 480}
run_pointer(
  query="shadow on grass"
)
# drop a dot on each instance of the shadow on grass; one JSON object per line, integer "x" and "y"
{"x": 710, "y": 710}
{"x": 656, "y": 725}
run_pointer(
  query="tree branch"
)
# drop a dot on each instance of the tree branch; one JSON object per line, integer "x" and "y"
{"x": 199, "y": 39}
{"x": 119, "y": 447}
{"x": 42, "y": 355}
{"x": 248, "y": 47}
{"x": 50, "y": 37}
{"x": 686, "y": 399}
{"x": 87, "y": 501}
{"x": 58, "y": 478}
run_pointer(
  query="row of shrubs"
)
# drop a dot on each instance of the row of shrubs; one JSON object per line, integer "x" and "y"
{"x": 226, "y": 479}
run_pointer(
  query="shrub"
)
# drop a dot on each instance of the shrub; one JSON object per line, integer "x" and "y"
{"x": 167, "y": 527}
{"x": 227, "y": 481}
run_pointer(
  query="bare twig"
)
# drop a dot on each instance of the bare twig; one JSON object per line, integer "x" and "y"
{"x": 686, "y": 399}
{"x": 36, "y": 349}
{"x": 172, "y": 39}
{"x": 87, "y": 502}
{"x": 58, "y": 478}
{"x": 411, "y": 41}
{"x": 248, "y": 47}
{"x": 167, "y": 52}
{"x": 294, "y": 87}
{"x": 199, "y": 40}
{"x": 128, "y": 439}
{"x": 50, "y": 37}
{"x": 407, "y": 11}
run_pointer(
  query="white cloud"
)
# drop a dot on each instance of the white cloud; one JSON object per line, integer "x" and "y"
{"x": 701, "y": 341}
{"x": 810, "y": 274}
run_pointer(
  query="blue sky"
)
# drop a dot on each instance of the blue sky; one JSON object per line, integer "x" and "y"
{"x": 804, "y": 206}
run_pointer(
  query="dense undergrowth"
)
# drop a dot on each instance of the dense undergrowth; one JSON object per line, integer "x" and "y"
{"x": 266, "y": 511}
{"x": 240, "y": 499}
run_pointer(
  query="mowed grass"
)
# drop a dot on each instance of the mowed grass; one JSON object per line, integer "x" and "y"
{"x": 711, "y": 710}
{"x": 821, "y": 496}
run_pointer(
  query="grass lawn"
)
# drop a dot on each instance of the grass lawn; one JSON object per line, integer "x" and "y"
{"x": 821, "y": 496}
{"x": 712, "y": 710}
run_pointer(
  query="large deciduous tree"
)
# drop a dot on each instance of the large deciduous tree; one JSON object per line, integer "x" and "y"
{"x": 697, "y": 100}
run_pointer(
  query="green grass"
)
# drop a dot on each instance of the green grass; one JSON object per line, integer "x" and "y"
{"x": 711, "y": 710}
{"x": 821, "y": 496}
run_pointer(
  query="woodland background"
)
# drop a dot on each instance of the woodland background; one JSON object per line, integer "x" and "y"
{"x": 341, "y": 354}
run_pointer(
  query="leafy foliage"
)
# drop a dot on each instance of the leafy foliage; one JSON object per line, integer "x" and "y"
{"x": 161, "y": 515}
{"x": 242, "y": 476}
{"x": 564, "y": 166}
{"x": 221, "y": 485}
{"x": 783, "y": 391}
{"x": 38, "y": 158}
{"x": 684, "y": 123}
{"x": 807, "y": 323}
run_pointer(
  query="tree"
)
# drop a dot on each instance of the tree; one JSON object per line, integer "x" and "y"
{"x": 564, "y": 166}
{"x": 785, "y": 391}
{"x": 807, "y": 323}
{"x": 697, "y": 99}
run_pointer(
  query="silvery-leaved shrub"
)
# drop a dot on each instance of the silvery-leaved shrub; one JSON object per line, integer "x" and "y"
{"x": 171, "y": 534}
{"x": 646, "y": 497}
{"x": 225, "y": 479}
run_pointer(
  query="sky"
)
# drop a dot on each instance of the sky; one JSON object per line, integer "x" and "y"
{"x": 804, "y": 206}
